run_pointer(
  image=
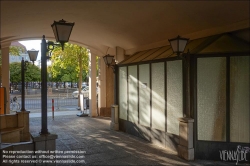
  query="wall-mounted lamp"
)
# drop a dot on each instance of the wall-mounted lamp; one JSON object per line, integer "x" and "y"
{"x": 33, "y": 55}
{"x": 62, "y": 31}
{"x": 108, "y": 59}
{"x": 178, "y": 44}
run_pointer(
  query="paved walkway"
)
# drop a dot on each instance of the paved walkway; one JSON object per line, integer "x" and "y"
{"x": 104, "y": 146}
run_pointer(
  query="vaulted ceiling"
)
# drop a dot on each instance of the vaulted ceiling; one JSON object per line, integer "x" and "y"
{"x": 131, "y": 25}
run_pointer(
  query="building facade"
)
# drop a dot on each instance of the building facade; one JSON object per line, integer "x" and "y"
{"x": 209, "y": 84}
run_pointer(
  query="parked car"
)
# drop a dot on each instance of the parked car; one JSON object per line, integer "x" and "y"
{"x": 85, "y": 91}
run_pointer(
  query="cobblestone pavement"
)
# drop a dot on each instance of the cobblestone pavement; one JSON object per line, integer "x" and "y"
{"x": 106, "y": 147}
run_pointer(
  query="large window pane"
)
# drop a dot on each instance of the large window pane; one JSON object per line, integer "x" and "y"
{"x": 144, "y": 95}
{"x": 239, "y": 99}
{"x": 158, "y": 96}
{"x": 174, "y": 96}
{"x": 123, "y": 93}
{"x": 133, "y": 94}
{"x": 211, "y": 98}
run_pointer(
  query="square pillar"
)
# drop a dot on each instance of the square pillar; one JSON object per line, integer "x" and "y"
{"x": 92, "y": 86}
{"x": 5, "y": 73}
{"x": 185, "y": 147}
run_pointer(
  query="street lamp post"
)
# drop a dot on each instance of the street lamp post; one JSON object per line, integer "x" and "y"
{"x": 33, "y": 55}
{"x": 62, "y": 31}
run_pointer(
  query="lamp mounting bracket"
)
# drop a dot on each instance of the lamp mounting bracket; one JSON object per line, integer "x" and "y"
{"x": 50, "y": 47}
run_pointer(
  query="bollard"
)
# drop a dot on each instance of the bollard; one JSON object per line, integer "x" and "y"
{"x": 53, "y": 109}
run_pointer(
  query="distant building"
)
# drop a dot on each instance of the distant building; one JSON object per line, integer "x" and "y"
{"x": 24, "y": 55}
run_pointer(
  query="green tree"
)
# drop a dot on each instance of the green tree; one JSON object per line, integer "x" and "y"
{"x": 71, "y": 63}
{"x": 16, "y": 50}
{"x": 32, "y": 73}
{"x": 15, "y": 72}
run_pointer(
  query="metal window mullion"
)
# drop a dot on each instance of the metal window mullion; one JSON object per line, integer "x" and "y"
{"x": 165, "y": 92}
{"x": 138, "y": 95}
{"x": 228, "y": 99}
{"x": 150, "y": 82}
{"x": 127, "y": 95}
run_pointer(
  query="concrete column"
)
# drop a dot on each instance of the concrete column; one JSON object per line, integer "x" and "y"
{"x": 102, "y": 86}
{"x": 92, "y": 86}
{"x": 6, "y": 73}
{"x": 186, "y": 139}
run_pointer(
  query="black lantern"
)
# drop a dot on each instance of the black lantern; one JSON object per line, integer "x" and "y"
{"x": 178, "y": 44}
{"x": 62, "y": 31}
{"x": 33, "y": 55}
{"x": 108, "y": 59}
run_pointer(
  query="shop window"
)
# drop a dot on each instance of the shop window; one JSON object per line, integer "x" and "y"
{"x": 133, "y": 94}
{"x": 123, "y": 106}
{"x": 211, "y": 98}
{"x": 174, "y": 96}
{"x": 158, "y": 96}
{"x": 239, "y": 99}
{"x": 144, "y": 95}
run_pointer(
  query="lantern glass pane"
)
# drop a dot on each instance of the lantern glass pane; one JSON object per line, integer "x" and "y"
{"x": 174, "y": 45}
{"x": 55, "y": 32}
{"x": 63, "y": 32}
{"x": 109, "y": 59}
{"x": 105, "y": 60}
{"x": 182, "y": 45}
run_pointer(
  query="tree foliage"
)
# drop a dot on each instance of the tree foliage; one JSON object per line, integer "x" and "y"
{"x": 16, "y": 50}
{"x": 32, "y": 73}
{"x": 70, "y": 64}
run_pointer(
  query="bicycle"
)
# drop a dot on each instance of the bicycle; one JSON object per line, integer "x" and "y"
{"x": 14, "y": 105}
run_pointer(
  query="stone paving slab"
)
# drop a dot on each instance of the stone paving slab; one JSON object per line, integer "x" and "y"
{"x": 106, "y": 147}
